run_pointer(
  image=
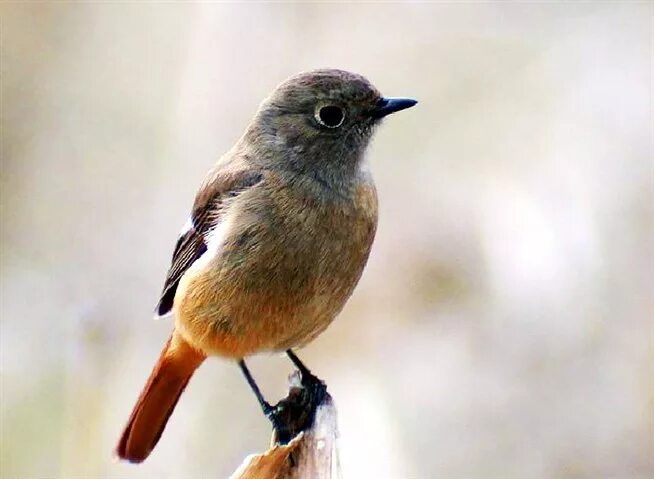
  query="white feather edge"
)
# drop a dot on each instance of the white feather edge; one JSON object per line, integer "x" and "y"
{"x": 215, "y": 240}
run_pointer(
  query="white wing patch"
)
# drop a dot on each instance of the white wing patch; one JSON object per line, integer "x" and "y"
{"x": 214, "y": 241}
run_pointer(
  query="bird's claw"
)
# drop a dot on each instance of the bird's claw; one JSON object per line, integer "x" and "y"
{"x": 296, "y": 412}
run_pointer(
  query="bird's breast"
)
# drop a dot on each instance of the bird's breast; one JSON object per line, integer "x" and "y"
{"x": 285, "y": 269}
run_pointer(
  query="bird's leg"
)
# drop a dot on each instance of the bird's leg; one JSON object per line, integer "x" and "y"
{"x": 278, "y": 414}
{"x": 265, "y": 406}
{"x": 313, "y": 384}
{"x": 296, "y": 412}
{"x": 307, "y": 375}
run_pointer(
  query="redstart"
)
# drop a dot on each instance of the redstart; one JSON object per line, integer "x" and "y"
{"x": 279, "y": 234}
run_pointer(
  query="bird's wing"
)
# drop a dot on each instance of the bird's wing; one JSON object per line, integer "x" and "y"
{"x": 207, "y": 213}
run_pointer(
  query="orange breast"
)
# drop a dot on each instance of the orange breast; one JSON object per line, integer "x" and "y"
{"x": 284, "y": 271}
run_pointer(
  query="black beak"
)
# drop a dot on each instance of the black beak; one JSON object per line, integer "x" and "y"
{"x": 386, "y": 106}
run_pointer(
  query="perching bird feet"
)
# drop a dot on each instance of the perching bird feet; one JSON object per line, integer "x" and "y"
{"x": 296, "y": 412}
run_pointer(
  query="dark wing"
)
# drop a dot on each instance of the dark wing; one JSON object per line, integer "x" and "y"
{"x": 206, "y": 215}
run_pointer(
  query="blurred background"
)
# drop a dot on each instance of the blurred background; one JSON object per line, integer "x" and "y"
{"x": 504, "y": 325}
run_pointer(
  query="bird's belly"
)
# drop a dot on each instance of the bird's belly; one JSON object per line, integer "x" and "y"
{"x": 271, "y": 289}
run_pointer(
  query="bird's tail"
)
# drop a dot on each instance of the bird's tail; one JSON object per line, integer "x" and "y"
{"x": 166, "y": 383}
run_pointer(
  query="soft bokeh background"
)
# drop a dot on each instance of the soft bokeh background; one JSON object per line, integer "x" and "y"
{"x": 504, "y": 325}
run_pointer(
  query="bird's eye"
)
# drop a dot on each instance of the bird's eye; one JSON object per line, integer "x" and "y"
{"x": 330, "y": 116}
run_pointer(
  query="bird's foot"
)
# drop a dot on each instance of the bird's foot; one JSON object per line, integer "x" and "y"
{"x": 295, "y": 413}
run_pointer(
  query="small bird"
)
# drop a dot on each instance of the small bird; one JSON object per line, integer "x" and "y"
{"x": 279, "y": 234}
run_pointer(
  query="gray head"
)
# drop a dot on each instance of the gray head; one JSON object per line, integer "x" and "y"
{"x": 321, "y": 119}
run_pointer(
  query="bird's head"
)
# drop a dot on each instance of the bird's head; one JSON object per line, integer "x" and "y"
{"x": 323, "y": 118}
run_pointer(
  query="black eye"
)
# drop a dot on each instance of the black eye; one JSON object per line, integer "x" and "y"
{"x": 330, "y": 116}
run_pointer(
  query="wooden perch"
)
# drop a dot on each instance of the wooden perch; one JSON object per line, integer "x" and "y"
{"x": 306, "y": 447}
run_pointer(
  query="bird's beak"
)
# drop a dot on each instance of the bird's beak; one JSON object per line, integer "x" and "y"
{"x": 386, "y": 106}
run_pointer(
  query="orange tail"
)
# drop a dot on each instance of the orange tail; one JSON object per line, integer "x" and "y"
{"x": 167, "y": 381}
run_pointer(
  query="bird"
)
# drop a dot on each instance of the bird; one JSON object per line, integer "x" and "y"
{"x": 278, "y": 236}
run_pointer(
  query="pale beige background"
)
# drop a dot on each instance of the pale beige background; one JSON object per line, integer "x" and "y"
{"x": 504, "y": 326}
